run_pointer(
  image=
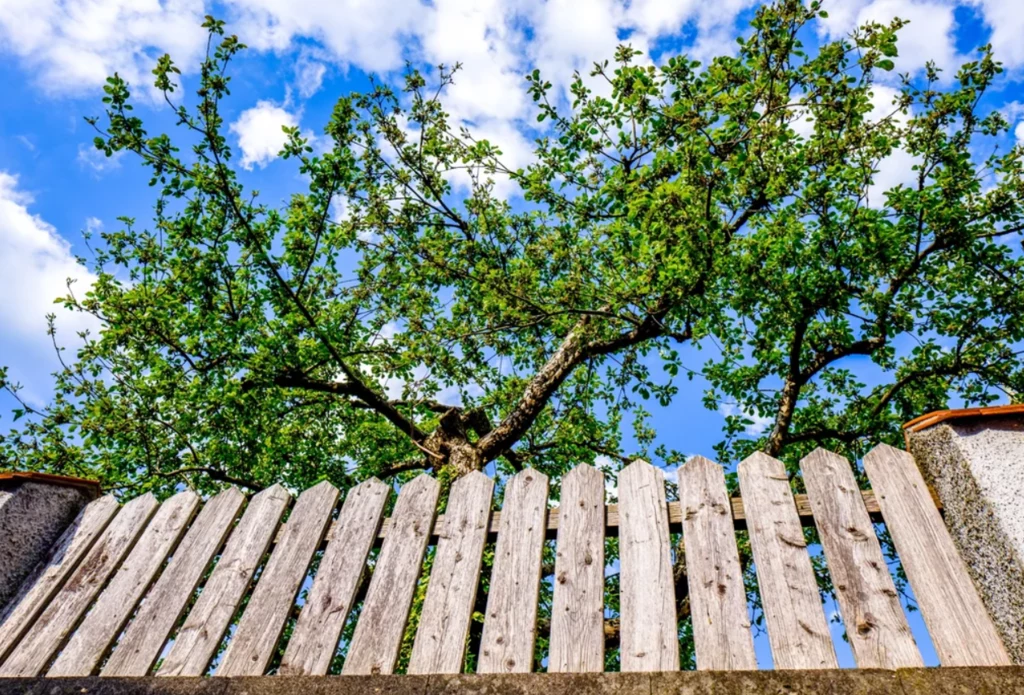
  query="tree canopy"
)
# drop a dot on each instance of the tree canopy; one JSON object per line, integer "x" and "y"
{"x": 421, "y": 306}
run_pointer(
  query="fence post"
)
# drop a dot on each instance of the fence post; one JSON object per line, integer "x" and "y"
{"x": 35, "y": 508}
{"x": 974, "y": 459}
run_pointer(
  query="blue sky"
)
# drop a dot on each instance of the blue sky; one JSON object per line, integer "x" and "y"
{"x": 55, "y": 54}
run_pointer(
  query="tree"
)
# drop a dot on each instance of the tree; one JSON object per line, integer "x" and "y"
{"x": 400, "y": 314}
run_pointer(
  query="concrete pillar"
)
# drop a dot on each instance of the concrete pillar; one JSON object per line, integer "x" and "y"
{"x": 35, "y": 508}
{"x": 974, "y": 459}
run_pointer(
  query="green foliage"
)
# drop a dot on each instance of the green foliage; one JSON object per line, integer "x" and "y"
{"x": 730, "y": 206}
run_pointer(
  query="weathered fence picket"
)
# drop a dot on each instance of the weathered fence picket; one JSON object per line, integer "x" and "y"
{"x": 40, "y": 587}
{"x": 102, "y": 624}
{"x": 875, "y": 625}
{"x": 109, "y": 581}
{"x": 718, "y": 600}
{"x": 511, "y": 619}
{"x": 378, "y": 635}
{"x": 440, "y": 643}
{"x": 259, "y": 629}
{"x": 577, "y": 614}
{"x": 140, "y": 646}
{"x": 961, "y": 629}
{"x": 797, "y": 630}
{"x": 205, "y": 625}
{"x": 57, "y": 621}
{"x": 650, "y": 639}
{"x": 315, "y": 637}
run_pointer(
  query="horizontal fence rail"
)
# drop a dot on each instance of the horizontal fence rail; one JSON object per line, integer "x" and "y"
{"x": 182, "y": 588}
{"x": 675, "y": 517}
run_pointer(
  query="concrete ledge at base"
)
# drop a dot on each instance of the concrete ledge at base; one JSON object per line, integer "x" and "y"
{"x": 933, "y": 681}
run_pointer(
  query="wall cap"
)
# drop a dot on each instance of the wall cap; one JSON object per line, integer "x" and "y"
{"x": 92, "y": 487}
{"x": 925, "y": 421}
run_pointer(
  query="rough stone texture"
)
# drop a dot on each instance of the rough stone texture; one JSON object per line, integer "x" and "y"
{"x": 791, "y": 682}
{"x": 542, "y": 684}
{"x": 977, "y": 468}
{"x": 32, "y": 516}
{"x": 962, "y": 681}
{"x": 934, "y": 681}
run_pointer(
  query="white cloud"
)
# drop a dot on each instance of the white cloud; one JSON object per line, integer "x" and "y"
{"x": 259, "y": 133}
{"x": 72, "y": 46}
{"x": 930, "y": 34}
{"x": 1006, "y": 19}
{"x": 1019, "y": 133}
{"x": 482, "y": 35}
{"x": 35, "y": 264}
{"x": 91, "y": 158}
{"x": 898, "y": 167}
{"x": 368, "y": 33}
{"x": 759, "y": 423}
{"x": 309, "y": 75}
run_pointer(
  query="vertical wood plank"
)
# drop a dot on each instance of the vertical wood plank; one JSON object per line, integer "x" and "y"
{"x": 378, "y": 634}
{"x": 959, "y": 625}
{"x": 142, "y": 641}
{"x": 259, "y": 629}
{"x": 61, "y": 616}
{"x": 440, "y": 643}
{"x": 875, "y": 624}
{"x": 206, "y": 623}
{"x": 649, "y": 633}
{"x": 718, "y": 600}
{"x": 112, "y": 609}
{"x": 797, "y": 629}
{"x": 510, "y": 625}
{"x": 314, "y": 640}
{"x": 577, "y": 614}
{"x": 44, "y": 581}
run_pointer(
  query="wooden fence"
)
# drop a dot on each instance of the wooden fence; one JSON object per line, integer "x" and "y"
{"x": 121, "y": 581}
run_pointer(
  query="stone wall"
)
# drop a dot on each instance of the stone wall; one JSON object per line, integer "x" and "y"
{"x": 977, "y": 469}
{"x": 32, "y": 517}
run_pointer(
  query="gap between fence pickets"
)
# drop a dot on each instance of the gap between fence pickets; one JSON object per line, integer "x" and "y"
{"x": 675, "y": 517}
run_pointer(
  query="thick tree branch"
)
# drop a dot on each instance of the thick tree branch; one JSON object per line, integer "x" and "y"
{"x": 573, "y": 350}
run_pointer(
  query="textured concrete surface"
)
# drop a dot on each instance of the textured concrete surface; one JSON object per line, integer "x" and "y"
{"x": 937, "y": 681}
{"x": 32, "y": 517}
{"x": 977, "y": 468}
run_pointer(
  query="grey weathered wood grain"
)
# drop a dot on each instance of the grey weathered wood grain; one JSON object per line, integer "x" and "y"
{"x": 577, "y": 614}
{"x": 797, "y": 628}
{"x": 875, "y": 624}
{"x": 718, "y": 600}
{"x": 648, "y": 630}
{"x": 141, "y": 643}
{"x": 44, "y": 581}
{"x": 205, "y": 625}
{"x": 959, "y": 625}
{"x": 61, "y": 616}
{"x": 440, "y": 643}
{"x": 314, "y": 640}
{"x": 101, "y": 626}
{"x": 510, "y": 623}
{"x": 252, "y": 646}
{"x": 378, "y": 634}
